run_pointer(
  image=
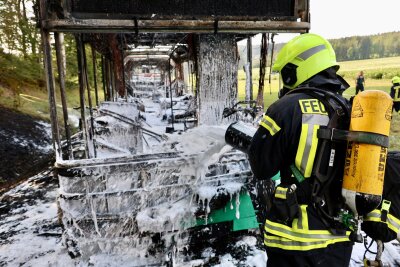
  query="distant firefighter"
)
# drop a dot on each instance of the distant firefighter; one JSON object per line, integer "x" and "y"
{"x": 395, "y": 93}
{"x": 360, "y": 82}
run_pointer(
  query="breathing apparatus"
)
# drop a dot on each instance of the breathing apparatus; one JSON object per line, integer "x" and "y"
{"x": 366, "y": 153}
{"x": 365, "y": 129}
{"x": 305, "y": 56}
{"x": 364, "y": 159}
{"x": 364, "y": 162}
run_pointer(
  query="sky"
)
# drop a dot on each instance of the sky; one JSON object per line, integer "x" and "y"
{"x": 343, "y": 18}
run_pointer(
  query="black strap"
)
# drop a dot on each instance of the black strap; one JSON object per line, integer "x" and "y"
{"x": 385, "y": 206}
{"x": 384, "y": 215}
{"x": 361, "y": 137}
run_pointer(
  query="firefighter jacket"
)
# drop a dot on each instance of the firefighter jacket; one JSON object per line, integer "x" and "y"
{"x": 286, "y": 141}
{"x": 383, "y": 223}
{"x": 395, "y": 92}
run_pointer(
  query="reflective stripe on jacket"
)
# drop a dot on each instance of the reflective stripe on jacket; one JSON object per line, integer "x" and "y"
{"x": 395, "y": 93}
{"x": 302, "y": 235}
{"x": 269, "y": 124}
{"x": 392, "y": 222}
{"x": 308, "y": 143}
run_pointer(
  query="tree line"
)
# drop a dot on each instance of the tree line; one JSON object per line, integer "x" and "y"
{"x": 366, "y": 47}
{"x": 18, "y": 31}
{"x": 347, "y": 48}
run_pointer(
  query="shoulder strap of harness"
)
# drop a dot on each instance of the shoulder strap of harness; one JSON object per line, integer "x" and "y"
{"x": 325, "y": 167}
{"x": 339, "y": 118}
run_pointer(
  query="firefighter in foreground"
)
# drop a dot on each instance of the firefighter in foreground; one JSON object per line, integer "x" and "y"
{"x": 395, "y": 93}
{"x": 286, "y": 141}
{"x": 308, "y": 223}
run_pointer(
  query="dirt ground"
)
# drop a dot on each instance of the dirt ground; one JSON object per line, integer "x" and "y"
{"x": 25, "y": 147}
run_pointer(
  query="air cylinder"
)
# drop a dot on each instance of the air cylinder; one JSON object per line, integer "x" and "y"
{"x": 365, "y": 163}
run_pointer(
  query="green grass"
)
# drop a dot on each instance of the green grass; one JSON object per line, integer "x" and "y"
{"x": 371, "y": 64}
{"x": 270, "y": 90}
{"x": 22, "y": 76}
{"x": 394, "y": 138}
{"x": 23, "y": 88}
{"x": 379, "y": 68}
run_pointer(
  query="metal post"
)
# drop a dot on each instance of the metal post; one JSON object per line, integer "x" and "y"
{"x": 263, "y": 65}
{"x": 272, "y": 58}
{"x": 170, "y": 94}
{"x": 190, "y": 76}
{"x": 51, "y": 92}
{"x": 112, "y": 76}
{"x": 103, "y": 78}
{"x": 217, "y": 78}
{"x": 108, "y": 78}
{"x": 94, "y": 63}
{"x": 79, "y": 52}
{"x": 91, "y": 132}
{"x": 165, "y": 84}
{"x": 250, "y": 61}
{"x": 110, "y": 81}
{"x": 60, "y": 53}
{"x": 123, "y": 74}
